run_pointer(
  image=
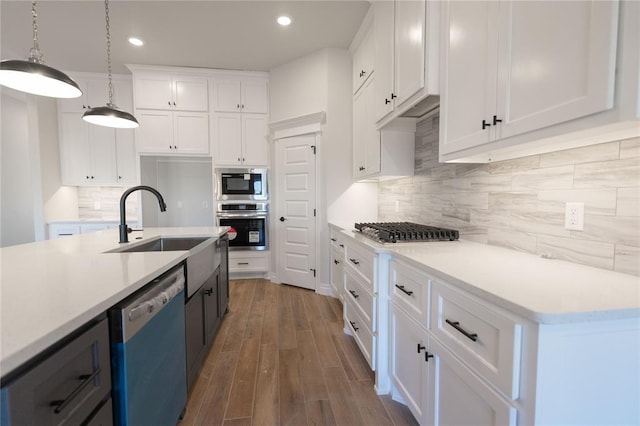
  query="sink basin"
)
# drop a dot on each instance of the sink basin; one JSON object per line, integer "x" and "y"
{"x": 165, "y": 244}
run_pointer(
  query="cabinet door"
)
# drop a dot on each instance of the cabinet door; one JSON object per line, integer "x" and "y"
{"x": 371, "y": 134}
{"x": 556, "y": 62}
{"x": 95, "y": 92}
{"x": 190, "y": 93}
{"x": 409, "y": 368}
{"x": 126, "y": 157}
{"x": 461, "y": 398}
{"x": 226, "y": 94}
{"x": 211, "y": 306}
{"x": 363, "y": 60}
{"x": 469, "y": 53}
{"x": 122, "y": 94}
{"x": 195, "y": 334}
{"x": 75, "y": 150}
{"x": 255, "y": 95}
{"x": 383, "y": 59}
{"x": 103, "y": 155}
{"x": 191, "y": 132}
{"x": 223, "y": 281}
{"x": 410, "y": 18}
{"x": 227, "y": 138}
{"x": 153, "y": 91}
{"x": 155, "y": 134}
{"x": 254, "y": 137}
{"x": 359, "y": 132}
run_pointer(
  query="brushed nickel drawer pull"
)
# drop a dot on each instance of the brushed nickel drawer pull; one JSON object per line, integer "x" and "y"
{"x": 354, "y": 261}
{"x": 353, "y": 325}
{"x": 457, "y": 326}
{"x": 354, "y": 294}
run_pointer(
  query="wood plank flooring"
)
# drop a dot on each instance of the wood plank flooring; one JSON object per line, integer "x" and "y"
{"x": 281, "y": 358}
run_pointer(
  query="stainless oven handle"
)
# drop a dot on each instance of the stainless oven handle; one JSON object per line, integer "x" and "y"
{"x": 243, "y": 215}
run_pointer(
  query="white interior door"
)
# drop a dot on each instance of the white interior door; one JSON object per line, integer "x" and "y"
{"x": 295, "y": 213}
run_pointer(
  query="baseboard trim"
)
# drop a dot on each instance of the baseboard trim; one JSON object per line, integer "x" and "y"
{"x": 325, "y": 290}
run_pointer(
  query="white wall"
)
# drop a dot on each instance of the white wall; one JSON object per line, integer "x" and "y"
{"x": 319, "y": 82}
{"x": 17, "y": 217}
{"x": 299, "y": 87}
{"x": 60, "y": 203}
{"x": 187, "y": 188}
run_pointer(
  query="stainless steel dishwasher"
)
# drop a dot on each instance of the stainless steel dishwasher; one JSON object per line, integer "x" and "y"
{"x": 148, "y": 353}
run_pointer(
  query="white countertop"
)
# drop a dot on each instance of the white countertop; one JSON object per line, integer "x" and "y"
{"x": 542, "y": 290}
{"x": 50, "y": 288}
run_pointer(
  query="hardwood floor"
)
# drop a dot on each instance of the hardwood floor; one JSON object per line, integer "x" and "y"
{"x": 281, "y": 358}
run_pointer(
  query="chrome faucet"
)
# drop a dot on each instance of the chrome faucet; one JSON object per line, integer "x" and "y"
{"x": 124, "y": 229}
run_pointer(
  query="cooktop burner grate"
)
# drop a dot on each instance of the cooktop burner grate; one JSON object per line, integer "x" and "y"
{"x": 393, "y": 232}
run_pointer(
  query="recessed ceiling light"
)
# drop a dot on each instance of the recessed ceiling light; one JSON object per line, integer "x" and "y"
{"x": 135, "y": 41}
{"x": 284, "y": 20}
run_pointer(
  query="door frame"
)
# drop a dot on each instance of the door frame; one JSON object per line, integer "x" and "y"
{"x": 310, "y": 124}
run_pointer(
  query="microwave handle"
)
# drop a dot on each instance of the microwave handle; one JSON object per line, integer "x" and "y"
{"x": 215, "y": 185}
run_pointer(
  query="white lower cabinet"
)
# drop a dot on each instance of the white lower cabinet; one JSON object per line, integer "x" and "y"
{"x": 242, "y": 262}
{"x": 337, "y": 264}
{"x": 409, "y": 366}
{"x": 438, "y": 388}
{"x": 459, "y": 397}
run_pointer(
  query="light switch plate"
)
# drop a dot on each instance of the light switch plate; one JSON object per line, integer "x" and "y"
{"x": 574, "y": 216}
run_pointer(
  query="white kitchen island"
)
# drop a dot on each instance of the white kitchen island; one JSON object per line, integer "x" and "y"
{"x": 51, "y": 288}
{"x": 467, "y": 333}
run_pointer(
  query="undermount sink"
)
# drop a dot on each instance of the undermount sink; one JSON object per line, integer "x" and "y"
{"x": 165, "y": 244}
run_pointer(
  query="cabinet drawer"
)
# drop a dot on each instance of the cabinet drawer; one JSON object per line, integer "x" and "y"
{"x": 409, "y": 288}
{"x": 364, "y": 337}
{"x": 337, "y": 273}
{"x": 66, "y": 387}
{"x": 488, "y": 341}
{"x": 362, "y": 261}
{"x": 337, "y": 242}
{"x": 355, "y": 291}
{"x": 248, "y": 264}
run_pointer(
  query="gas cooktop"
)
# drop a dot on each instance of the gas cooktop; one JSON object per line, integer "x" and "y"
{"x": 393, "y": 232}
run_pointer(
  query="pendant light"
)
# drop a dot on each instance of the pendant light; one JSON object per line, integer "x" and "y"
{"x": 33, "y": 76}
{"x": 110, "y": 115}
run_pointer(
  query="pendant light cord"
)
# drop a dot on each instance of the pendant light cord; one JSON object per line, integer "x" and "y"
{"x": 106, "y": 8}
{"x": 34, "y": 54}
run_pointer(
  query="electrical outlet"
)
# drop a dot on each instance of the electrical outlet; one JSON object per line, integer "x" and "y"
{"x": 397, "y": 206}
{"x": 574, "y": 216}
{"x": 179, "y": 204}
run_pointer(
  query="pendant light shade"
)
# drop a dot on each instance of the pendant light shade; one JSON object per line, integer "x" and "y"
{"x": 37, "y": 79}
{"x": 33, "y": 76}
{"x": 110, "y": 115}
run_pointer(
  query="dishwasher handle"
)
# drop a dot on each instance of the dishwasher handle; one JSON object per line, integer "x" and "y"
{"x": 135, "y": 314}
{"x": 155, "y": 303}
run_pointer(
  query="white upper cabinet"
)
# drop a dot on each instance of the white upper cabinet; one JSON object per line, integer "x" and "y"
{"x": 239, "y": 139}
{"x": 172, "y": 109}
{"x": 513, "y": 67}
{"x": 172, "y": 132}
{"x": 239, "y": 123}
{"x": 363, "y": 59}
{"x": 406, "y": 56}
{"x": 240, "y": 94}
{"x": 161, "y": 90}
{"x": 92, "y": 155}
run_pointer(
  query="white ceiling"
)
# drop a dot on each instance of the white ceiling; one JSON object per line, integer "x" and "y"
{"x": 241, "y": 35}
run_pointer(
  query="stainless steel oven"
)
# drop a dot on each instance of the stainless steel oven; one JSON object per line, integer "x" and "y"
{"x": 241, "y": 184}
{"x": 249, "y": 224}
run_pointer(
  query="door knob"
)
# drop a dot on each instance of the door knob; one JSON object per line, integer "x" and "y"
{"x": 282, "y": 219}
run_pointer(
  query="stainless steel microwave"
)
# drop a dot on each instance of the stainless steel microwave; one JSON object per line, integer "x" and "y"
{"x": 241, "y": 184}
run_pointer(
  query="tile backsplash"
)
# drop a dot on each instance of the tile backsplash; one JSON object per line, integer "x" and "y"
{"x": 103, "y": 203}
{"x": 520, "y": 203}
